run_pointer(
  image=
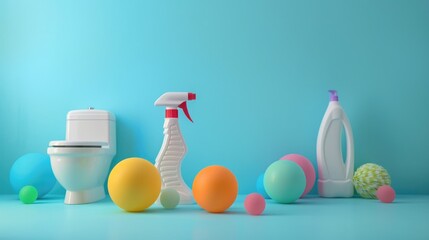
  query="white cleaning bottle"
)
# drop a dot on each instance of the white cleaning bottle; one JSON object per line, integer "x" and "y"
{"x": 335, "y": 175}
{"x": 173, "y": 149}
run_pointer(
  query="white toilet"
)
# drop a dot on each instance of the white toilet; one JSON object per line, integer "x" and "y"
{"x": 81, "y": 162}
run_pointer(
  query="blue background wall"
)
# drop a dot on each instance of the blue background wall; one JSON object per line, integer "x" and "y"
{"x": 261, "y": 71}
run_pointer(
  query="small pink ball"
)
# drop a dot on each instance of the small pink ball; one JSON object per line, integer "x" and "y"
{"x": 307, "y": 167}
{"x": 385, "y": 194}
{"x": 254, "y": 204}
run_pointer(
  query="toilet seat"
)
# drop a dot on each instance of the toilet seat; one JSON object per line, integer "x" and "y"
{"x": 77, "y": 144}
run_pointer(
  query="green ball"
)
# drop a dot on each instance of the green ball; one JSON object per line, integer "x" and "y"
{"x": 169, "y": 198}
{"x": 28, "y": 194}
{"x": 284, "y": 181}
{"x": 368, "y": 178}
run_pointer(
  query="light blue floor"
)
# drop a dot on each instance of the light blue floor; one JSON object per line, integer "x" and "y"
{"x": 309, "y": 218}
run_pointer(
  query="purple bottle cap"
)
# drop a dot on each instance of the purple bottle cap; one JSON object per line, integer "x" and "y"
{"x": 334, "y": 96}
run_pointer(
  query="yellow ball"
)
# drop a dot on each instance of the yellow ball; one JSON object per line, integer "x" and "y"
{"x": 134, "y": 184}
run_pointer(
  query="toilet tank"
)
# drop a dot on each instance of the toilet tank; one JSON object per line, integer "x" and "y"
{"x": 93, "y": 126}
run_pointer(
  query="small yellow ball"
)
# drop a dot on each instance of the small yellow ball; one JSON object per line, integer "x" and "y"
{"x": 134, "y": 184}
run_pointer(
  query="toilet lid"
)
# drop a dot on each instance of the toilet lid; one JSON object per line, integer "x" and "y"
{"x": 82, "y": 144}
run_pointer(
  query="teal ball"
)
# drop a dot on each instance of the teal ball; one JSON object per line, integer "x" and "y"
{"x": 32, "y": 169}
{"x": 169, "y": 198}
{"x": 284, "y": 181}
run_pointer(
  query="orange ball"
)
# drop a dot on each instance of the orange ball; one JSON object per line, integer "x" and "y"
{"x": 215, "y": 189}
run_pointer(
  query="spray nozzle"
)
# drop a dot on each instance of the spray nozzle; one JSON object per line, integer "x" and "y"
{"x": 174, "y": 100}
{"x": 334, "y": 96}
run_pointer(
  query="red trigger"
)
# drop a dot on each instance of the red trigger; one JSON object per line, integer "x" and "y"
{"x": 184, "y": 107}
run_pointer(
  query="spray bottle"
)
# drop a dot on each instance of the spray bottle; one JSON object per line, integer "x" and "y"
{"x": 335, "y": 175}
{"x": 173, "y": 149}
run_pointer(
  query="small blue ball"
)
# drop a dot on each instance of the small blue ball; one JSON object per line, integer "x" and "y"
{"x": 260, "y": 187}
{"x": 32, "y": 169}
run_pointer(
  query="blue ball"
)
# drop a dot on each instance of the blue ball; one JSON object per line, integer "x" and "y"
{"x": 32, "y": 169}
{"x": 284, "y": 181}
{"x": 260, "y": 186}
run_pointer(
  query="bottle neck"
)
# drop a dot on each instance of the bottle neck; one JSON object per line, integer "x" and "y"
{"x": 334, "y": 103}
{"x": 171, "y": 113}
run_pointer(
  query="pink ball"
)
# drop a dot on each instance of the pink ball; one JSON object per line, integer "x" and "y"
{"x": 254, "y": 204}
{"x": 385, "y": 194}
{"x": 307, "y": 167}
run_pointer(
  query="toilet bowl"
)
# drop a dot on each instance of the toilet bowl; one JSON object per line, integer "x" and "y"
{"x": 81, "y": 163}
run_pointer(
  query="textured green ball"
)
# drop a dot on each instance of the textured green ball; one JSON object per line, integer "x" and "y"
{"x": 28, "y": 194}
{"x": 284, "y": 181}
{"x": 169, "y": 198}
{"x": 368, "y": 178}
